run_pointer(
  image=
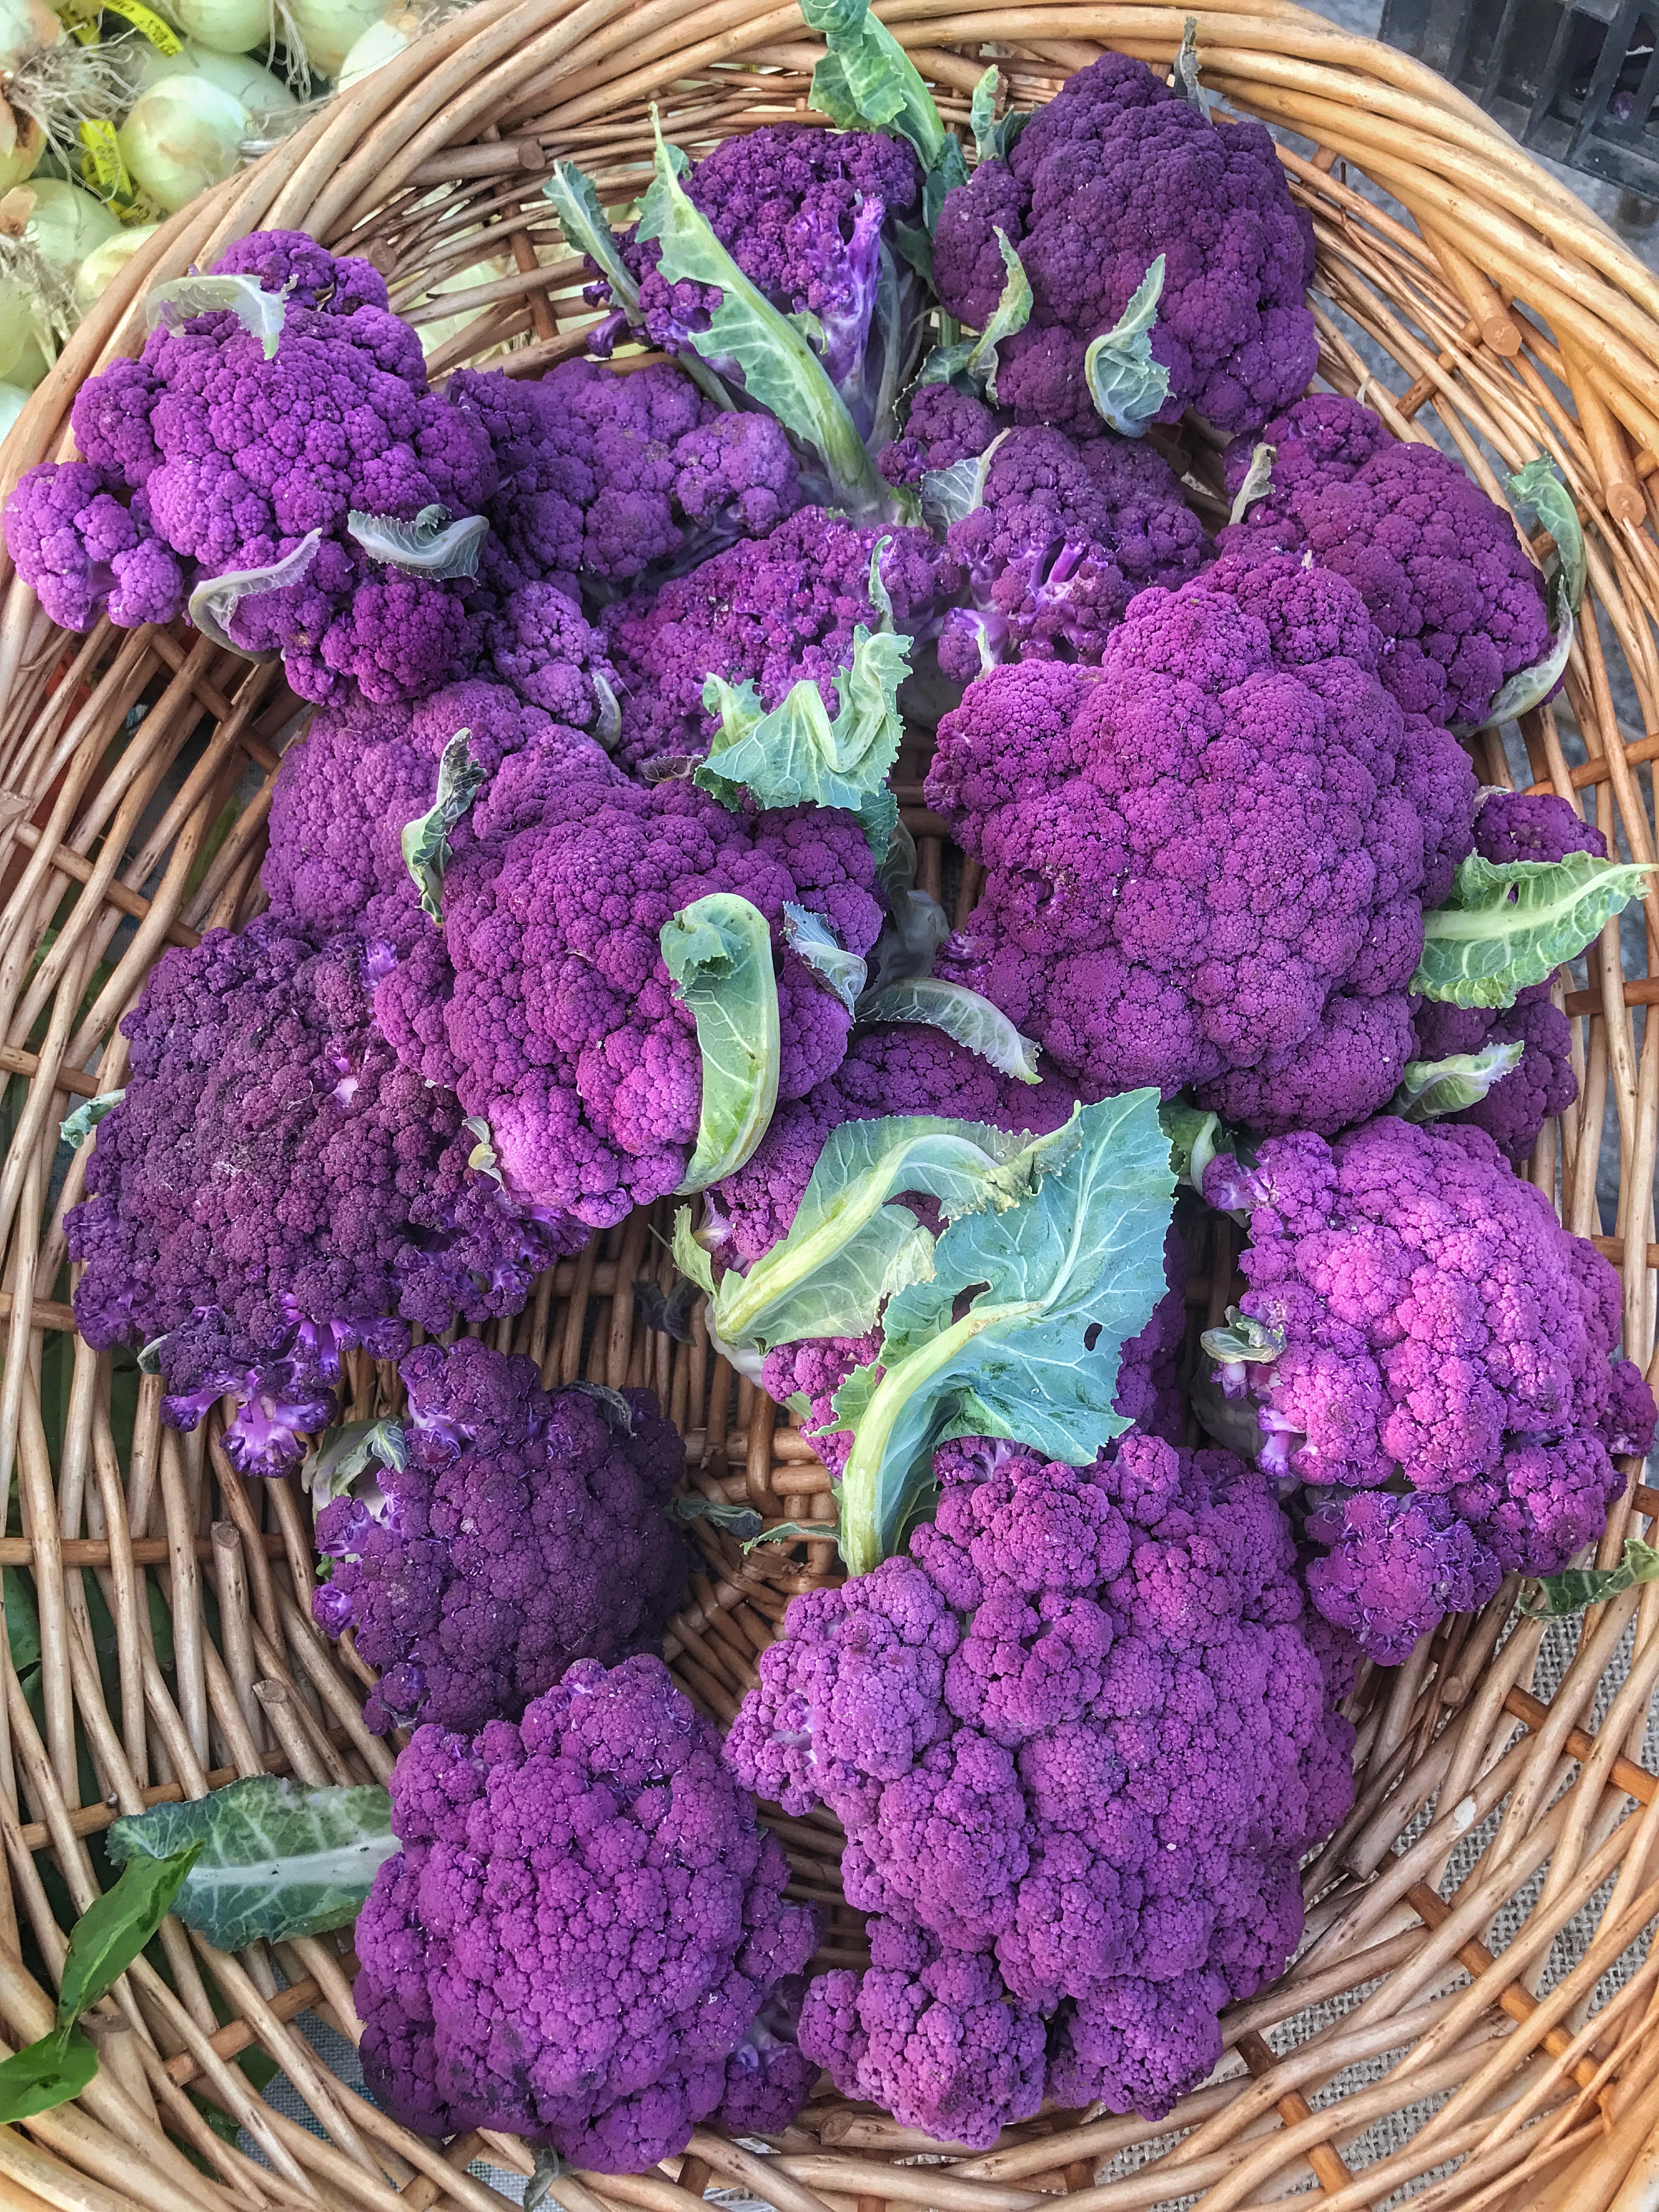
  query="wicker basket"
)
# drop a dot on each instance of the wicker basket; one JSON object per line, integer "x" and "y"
{"x": 1477, "y": 1802}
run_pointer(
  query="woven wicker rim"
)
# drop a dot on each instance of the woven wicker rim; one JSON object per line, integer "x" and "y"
{"x": 1515, "y": 2093}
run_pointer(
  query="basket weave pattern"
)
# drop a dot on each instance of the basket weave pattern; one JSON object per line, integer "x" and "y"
{"x": 1470, "y": 1791}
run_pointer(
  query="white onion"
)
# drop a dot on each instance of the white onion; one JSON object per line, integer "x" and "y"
{"x": 105, "y": 261}
{"x": 382, "y": 42}
{"x": 230, "y": 27}
{"x": 183, "y": 136}
{"x": 13, "y": 400}
{"x": 237, "y": 74}
{"x": 25, "y": 26}
{"x": 329, "y": 29}
{"x": 65, "y": 223}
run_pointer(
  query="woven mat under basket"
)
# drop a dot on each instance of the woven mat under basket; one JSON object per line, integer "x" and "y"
{"x": 1473, "y": 2018}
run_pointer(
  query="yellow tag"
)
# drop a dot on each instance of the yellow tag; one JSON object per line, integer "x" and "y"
{"x": 102, "y": 165}
{"x": 165, "y": 39}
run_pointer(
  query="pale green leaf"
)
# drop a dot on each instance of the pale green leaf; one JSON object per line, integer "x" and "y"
{"x": 1242, "y": 1342}
{"x": 75, "y": 1128}
{"x": 340, "y": 1455}
{"x": 582, "y": 219}
{"x": 432, "y": 545}
{"x": 1194, "y": 1136}
{"x": 482, "y": 1159}
{"x": 1059, "y": 1283}
{"x": 1540, "y": 499}
{"x": 740, "y": 1520}
{"x": 1558, "y": 1595}
{"x": 1430, "y": 1088}
{"x": 1257, "y": 479}
{"x": 976, "y": 358}
{"x": 1185, "y": 70}
{"x": 216, "y": 600}
{"x": 1126, "y": 385}
{"x": 274, "y": 1859}
{"x": 719, "y": 951}
{"x": 1509, "y": 925}
{"x": 993, "y": 135}
{"x": 963, "y": 1015}
{"x": 178, "y": 300}
{"x": 690, "y": 1257}
{"x": 867, "y": 78}
{"x": 849, "y": 1246}
{"x": 797, "y": 754}
{"x": 748, "y": 338}
{"x": 426, "y": 839}
{"x": 811, "y": 937}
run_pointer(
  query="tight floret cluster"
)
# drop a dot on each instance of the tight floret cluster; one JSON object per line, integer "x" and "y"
{"x": 1438, "y": 564}
{"x": 275, "y": 1187}
{"x": 1115, "y": 171}
{"x": 1078, "y": 1739}
{"x": 584, "y": 1937}
{"x": 1447, "y": 1387}
{"x": 1206, "y": 865}
{"x": 524, "y": 1530}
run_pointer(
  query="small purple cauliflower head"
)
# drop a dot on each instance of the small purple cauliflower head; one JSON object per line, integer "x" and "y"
{"x": 1206, "y": 865}
{"x": 1514, "y": 826}
{"x": 546, "y": 1003}
{"x": 772, "y": 613}
{"x": 275, "y": 1187}
{"x": 807, "y": 215}
{"x": 203, "y": 458}
{"x": 86, "y": 550}
{"x": 527, "y": 1531}
{"x": 1066, "y": 533}
{"x": 1449, "y": 1389}
{"x": 1460, "y": 605}
{"x": 1114, "y": 170}
{"x": 945, "y": 426}
{"x": 608, "y": 479}
{"x": 584, "y": 1937}
{"x": 1078, "y": 1739}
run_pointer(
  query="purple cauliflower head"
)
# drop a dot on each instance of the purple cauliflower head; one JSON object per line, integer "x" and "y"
{"x": 1206, "y": 865}
{"x": 1078, "y": 1739}
{"x": 1066, "y": 535}
{"x": 774, "y": 612}
{"x": 88, "y": 550}
{"x": 1449, "y": 1389}
{"x": 545, "y": 1003}
{"x": 526, "y": 1531}
{"x": 275, "y": 1187}
{"x": 609, "y": 479}
{"x": 1460, "y": 605}
{"x": 1116, "y": 170}
{"x": 808, "y": 215}
{"x": 584, "y": 1935}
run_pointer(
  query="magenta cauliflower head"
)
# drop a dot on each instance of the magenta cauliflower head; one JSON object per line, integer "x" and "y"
{"x": 1447, "y": 1388}
{"x": 1116, "y": 170}
{"x": 1065, "y": 531}
{"x": 524, "y": 1531}
{"x": 546, "y": 1003}
{"x": 771, "y": 613}
{"x": 1460, "y": 605}
{"x": 1078, "y": 1738}
{"x": 584, "y": 1938}
{"x": 1206, "y": 865}
{"x": 1514, "y": 826}
{"x": 275, "y": 1187}
{"x": 607, "y": 479}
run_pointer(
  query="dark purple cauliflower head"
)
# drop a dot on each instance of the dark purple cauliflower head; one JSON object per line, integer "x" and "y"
{"x": 1449, "y": 1389}
{"x": 584, "y": 1938}
{"x": 1206, "y": 865}
{"x": 527, "y": 1531}
{"x": 1078, "y": 1739}
{"x": 545, "y": 1002}
{"x": 1114, "y": 170}
{"x": 1460, "y": 605}
{"x": 606, "y": 479}
{"x": 88, "y": 549}
{"x": 275, "y": 1187}
{"x": 773, "y": 612}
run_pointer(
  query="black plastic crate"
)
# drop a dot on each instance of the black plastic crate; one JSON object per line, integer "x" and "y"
{"x": 1579, "y": 83}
